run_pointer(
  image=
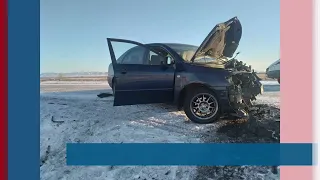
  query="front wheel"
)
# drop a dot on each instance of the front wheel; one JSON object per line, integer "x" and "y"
{"x": 201, "y": 106}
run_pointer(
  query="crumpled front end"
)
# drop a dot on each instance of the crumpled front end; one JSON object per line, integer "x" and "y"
{"x": 243, "y": 89}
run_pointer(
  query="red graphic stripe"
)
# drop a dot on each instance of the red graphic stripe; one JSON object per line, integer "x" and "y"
{"x": 4, "y": 91}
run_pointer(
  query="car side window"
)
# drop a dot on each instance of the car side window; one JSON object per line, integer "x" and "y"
{"x": 135, "y": 56}
{"x": 129, "y": 53}
{"x": 160, "y": 57}
{"x": 156, "y": 59}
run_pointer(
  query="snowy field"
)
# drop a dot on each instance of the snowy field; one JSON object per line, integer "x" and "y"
{"x": 72, "y": 112}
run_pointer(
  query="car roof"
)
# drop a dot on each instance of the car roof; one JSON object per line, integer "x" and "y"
{"x": 172, "y": 44}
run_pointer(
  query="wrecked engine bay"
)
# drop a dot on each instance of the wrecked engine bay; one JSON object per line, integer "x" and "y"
{"x": 245, "y": 86}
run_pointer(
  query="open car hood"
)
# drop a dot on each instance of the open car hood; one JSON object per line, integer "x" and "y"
{"x": 222, "y": 41}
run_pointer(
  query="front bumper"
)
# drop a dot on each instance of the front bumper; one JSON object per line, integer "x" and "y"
{"x": 227, "y": 108}
{"x": 242, "y": 93}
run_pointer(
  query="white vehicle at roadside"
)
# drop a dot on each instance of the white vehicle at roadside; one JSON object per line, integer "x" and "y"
{"x": 273, "y": 71}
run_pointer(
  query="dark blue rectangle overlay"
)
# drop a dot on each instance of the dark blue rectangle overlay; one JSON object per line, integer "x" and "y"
{"x": 200, "y": 154}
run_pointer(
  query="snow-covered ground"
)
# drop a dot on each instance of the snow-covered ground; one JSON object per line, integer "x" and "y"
{"x": 72, "y": 112}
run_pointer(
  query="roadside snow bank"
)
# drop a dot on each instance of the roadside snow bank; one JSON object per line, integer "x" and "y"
{"x": 74, "y": 83}
{"x": 270, "y": 83}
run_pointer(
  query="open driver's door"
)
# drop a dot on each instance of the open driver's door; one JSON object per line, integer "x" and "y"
{"x": 141, "y": 75}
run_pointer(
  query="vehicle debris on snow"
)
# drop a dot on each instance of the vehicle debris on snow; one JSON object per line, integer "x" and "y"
{"x": 55, "y": 121}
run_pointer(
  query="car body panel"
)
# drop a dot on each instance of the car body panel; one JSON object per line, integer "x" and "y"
{"x": 273, "y": 71}
{"x": 149, "y": 82}
{"x": 198, "y": 75}
{"x": 110, "y": 75}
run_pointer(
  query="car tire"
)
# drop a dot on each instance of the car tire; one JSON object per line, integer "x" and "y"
{"x": 189, "y": 106}
{"x": 279, "y": 80}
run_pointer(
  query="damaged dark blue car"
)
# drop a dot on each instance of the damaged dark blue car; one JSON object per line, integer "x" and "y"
{"x": 207, "y": 82}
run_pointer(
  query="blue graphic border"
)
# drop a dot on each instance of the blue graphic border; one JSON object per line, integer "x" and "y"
{"x": 190, "y": 154}
{"x": 23, "y": 89}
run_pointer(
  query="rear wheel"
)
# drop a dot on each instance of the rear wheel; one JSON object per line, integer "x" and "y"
{"x": 201, "y": 106}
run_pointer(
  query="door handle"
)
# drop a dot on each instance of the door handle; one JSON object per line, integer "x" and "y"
{"x": 123, "y": 71}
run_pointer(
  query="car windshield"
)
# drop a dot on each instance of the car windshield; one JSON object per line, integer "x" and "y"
{"x": 187, "y": 52}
